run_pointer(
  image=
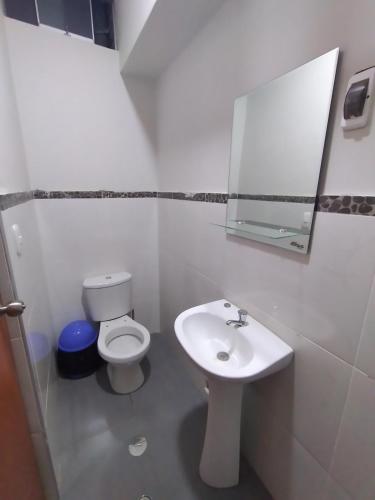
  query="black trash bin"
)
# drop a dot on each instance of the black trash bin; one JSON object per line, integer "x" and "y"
{"x": 77, "y": 352}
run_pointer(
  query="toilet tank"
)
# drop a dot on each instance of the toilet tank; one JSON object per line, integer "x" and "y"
{"x": 108, "y": 296}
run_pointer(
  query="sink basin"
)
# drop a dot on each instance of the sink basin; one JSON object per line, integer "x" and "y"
{"x": 230, "y": 356}
{"x": 253, "y": 350}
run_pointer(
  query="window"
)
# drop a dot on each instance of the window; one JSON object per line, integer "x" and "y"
{"x": 23, "y": 10}
{"x": 102, "y": 15}
{"x": 72, "y": 16}
{"x": 91, "y": 19}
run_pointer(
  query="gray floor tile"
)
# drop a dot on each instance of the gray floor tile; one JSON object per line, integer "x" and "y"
{"x": 95, "y": 427}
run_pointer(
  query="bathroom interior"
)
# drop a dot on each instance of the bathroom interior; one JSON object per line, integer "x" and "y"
{"x": 187, "y": 194}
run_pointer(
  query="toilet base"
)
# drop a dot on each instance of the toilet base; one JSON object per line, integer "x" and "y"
{"x": 125, "y": 378}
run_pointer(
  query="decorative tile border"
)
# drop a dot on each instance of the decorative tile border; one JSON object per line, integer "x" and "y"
{"x": 273, "y": 197}
{"x": 12, "y": 199}
{"x": 354, "y": 205}
{"x": 53, "y": 195}
{"x": 341, "y": 204}
{"x": 206, "y": 197}
{"x": 183, "y": 196}
{"x": 217, "y": 197}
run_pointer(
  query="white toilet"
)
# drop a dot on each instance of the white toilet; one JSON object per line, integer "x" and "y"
{"x": 122, "y": 341}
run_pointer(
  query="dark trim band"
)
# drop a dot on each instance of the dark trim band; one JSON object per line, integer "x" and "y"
{"x": 206, "y": 197}
{"x": 273, "y": 197}
{"x": 340, "y": 204}
{"x": 347, "y": 204}
{"x": 12, "y": 199}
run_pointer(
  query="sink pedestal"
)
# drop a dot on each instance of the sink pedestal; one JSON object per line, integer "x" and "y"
{"x": 220, "y": 461}
{"x": 229, "y": 357}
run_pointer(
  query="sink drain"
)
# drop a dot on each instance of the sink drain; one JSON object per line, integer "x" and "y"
{"x": 137, "y": 447}
{"x": 222, "y": 356}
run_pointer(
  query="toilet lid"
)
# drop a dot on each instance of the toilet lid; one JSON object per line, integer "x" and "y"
{"x": 107, "y": 280}
{"x": 126, "y": 344}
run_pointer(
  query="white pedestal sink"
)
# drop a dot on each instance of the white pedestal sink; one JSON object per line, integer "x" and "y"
{"x": 230, "y": 357}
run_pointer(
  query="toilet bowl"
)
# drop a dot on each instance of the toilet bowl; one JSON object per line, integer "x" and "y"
{"x": 123, "y": 343}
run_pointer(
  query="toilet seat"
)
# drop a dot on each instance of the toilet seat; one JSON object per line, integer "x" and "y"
{"x": 123, "y": 340}
{"x": 124, "y": 343}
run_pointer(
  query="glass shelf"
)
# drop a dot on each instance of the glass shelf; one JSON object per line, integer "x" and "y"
{"x": 258, "y": 230}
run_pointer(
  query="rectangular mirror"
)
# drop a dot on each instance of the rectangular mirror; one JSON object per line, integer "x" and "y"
{"x": 278, "y": 139}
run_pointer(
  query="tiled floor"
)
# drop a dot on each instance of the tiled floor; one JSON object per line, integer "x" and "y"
{"x": 95, "y": 427}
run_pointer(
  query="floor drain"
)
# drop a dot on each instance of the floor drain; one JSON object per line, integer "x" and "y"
{"x": 222, "y": 356}
{"x": 137, "y": 447}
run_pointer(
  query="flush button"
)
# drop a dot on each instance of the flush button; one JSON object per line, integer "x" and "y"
{"x": 226, "y": 304}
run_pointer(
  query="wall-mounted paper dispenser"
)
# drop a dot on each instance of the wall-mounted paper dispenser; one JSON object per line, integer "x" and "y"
{"x": 358, "y": 99}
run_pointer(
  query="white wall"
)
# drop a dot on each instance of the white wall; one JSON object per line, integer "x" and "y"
{"x": 83, "y": 238}
{"x": 27, "y": 271}
{"x": 130, "y": 18}
{"x": 236, "y": 62}
{"x": 30, "y": 282}
{"x": 82, "y": 128}
{"x": 307, "y": 430}
{"x": 156, "y": 32}
{"x": 33, "y": 343}
{"x": 85, "y": 130}
{"x": 14, "y": 175}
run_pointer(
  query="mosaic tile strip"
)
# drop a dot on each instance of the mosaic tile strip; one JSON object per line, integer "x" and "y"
{"x": 217, "y": 197}
{"x": 141, "y": 194}
{"x": 354, "y": 205}
{"x": 12, "y": 199}
{"x": 341, "y": 204}
{"x": 42, "y": 195}
{"x": 273, "y": 197}
{"x": 205, "y": 197}
{"x": 165, "y": 194}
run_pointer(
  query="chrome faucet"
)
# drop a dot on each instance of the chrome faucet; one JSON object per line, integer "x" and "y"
{"x": 241, "y": 321}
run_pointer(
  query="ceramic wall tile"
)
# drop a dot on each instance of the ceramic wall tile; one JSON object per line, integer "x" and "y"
{"x": 82, "y": 238}
{"x": 365, "y": 360}
{"x": 287, "y": 469}
{"x": 31, "y": 287}
{"x": 336, "y": 283}
{"x": 27, "y": 386}
{"x": 353, "y": 462}
{"x": 308, "y": 397}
